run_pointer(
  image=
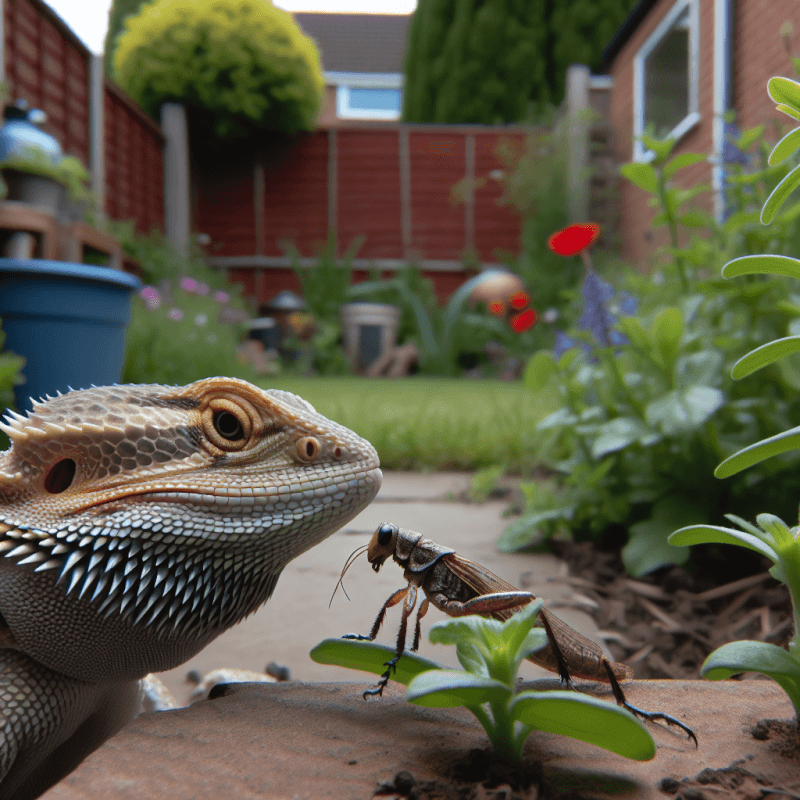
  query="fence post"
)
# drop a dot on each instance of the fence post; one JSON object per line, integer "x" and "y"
{"x": 176, "y": 176}
{"x": 406, "y": 217}
{"x": 2, "y": 40}
{"x": 577, "y": 101}
{"x": 97, "y": 131}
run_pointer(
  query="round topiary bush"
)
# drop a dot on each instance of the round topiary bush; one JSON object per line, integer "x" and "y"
{"x": 244, "y": 61}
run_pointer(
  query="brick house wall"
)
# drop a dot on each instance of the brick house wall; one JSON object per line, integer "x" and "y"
{"x": 758, "y": 54}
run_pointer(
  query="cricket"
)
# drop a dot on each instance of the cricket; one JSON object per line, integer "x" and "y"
{"x": 459, "y": 586}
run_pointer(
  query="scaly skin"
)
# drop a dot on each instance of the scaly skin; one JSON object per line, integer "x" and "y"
{"x": 137, "y": 523}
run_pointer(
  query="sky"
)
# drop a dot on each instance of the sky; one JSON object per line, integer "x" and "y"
{"x": 89, "y": 18}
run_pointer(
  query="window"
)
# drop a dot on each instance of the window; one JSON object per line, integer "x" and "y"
{"x": 665, "y": 77}
{"x": 367, "y": 95}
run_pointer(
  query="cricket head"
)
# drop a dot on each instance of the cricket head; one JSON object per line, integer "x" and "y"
{"x": 383, "y": 545}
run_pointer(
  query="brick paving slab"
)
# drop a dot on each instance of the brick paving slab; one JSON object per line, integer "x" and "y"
{"x": 297, "y": 616}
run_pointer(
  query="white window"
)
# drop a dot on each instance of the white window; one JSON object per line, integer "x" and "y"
{"x": 666, "y": 76}
{"x": 361, "y": 95}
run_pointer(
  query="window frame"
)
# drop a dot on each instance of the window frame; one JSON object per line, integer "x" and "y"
{"x": 640, "y": 153}
{"x": 345, "y": 81}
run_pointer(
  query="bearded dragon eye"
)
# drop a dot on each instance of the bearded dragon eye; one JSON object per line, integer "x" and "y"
{"x": 228, "y": 426}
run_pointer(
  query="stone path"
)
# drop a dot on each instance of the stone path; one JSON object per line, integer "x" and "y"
{"x": 297, "y": 616}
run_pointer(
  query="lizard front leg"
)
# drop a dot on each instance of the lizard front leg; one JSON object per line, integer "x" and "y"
{"x": 50, "y": 722}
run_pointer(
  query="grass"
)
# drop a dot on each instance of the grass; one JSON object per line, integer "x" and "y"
{"x": 431, "y": 423}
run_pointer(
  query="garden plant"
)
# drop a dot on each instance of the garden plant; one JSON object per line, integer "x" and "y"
{"x": 491, "y": 652}
{"x": 772, "y": 537}
{"x": 646, "y": 416}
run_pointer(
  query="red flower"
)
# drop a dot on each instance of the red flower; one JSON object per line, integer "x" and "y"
{"x": 524, "y": 320}
{"x": 570, "y": 241}
{"x": 519, "y": 300}
{"x": 497, "y": 308}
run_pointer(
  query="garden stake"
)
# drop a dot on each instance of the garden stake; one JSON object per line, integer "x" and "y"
{"x": 459, "y": 587}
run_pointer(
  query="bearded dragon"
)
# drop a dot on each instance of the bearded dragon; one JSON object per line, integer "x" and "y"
{"x": 137, "y": 523}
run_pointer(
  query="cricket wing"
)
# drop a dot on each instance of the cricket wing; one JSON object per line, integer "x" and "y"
{"x": 583, "y": 656}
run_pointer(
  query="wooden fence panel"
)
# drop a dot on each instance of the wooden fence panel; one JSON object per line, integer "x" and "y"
{"x": 47, "y": 65}
{"x": 134, "y": 165}
{"x": 437, "y": 164}
{"x": 368, "y": 191}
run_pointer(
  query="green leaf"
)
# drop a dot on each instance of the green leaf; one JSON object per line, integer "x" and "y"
{"x": 784, "y": 90}
{"x": 471, "y": 658}
{"x": 444, "y": 688}
{"x": 760, "y": 451}
{"x": 693, "y": 219}
{"x": 666, "y": 332}
{"x": 747, "y": 656}
{"x": 681, "y": 161}
{"x": 586, "y": 718}
{"x": 779, "y": 195}
{"x": 527, "y": 530}
{"x": 648, "y": 547}
{"x": 635, "y": 332}
{"x": 792, "y": 112}
{"x": 714, "y": 534}
{"x": 765, "y": 355}
{"x": 472, "y": 628}
{"x": 660, "y": 147}
{"x": 370, "y": 657}
{"x": 785, "y": 147}
{"x": 749, "y": 137}
{"x": 540, "y": 368}
{"x": 616, "y": 435}
{"x": 762, "y": 265}
{"x": 679, "y": 411}
{"x": 642, "y": 175}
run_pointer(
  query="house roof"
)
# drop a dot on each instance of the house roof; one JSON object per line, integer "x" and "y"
{"x": 358, "y": 42}
{"x": 625, "y": 31}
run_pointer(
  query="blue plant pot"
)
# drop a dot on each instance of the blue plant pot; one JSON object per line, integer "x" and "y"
{"x": 67, "y": 320}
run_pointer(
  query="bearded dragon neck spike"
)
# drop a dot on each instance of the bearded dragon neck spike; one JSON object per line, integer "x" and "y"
{"x": 136, "y": 524}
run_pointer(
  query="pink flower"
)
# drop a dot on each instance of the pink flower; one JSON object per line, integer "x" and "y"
{"x": 151, "y": 297}
{"x": 175, "y": 314}
{"x": 188, "y": 284}
{"x": 202, "y": 289}
{"x": 222, "y": 297}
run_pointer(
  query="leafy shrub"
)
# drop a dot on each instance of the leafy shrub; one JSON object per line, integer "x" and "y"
{"x": 177, "y": 335}
{"x": 644, "y": 421}
{"x": 244, "y": 61}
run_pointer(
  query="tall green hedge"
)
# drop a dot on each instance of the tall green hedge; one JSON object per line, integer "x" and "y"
{"x": 245, "y": 62}
{"x": 489, "y": 61}
{"x": 120, "y": 11}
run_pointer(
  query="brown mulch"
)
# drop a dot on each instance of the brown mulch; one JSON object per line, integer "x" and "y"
{"x": 665, "y": 625}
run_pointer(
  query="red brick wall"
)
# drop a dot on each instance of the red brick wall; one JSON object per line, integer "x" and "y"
{"x": 758, "y": 54}
{"x": 47, "y": 65}
{"x": 639, "y": 239}
{"x": 134, "y": 167}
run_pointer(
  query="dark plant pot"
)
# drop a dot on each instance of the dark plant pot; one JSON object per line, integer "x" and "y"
{"x": 35, "y": 190}
{"x": 67, "y": 320}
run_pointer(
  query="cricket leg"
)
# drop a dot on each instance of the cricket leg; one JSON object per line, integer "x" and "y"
{"x": 485, "y": 604}
{"x": 410, "y": 593}
{"x": 392, "y": 601}
{"x": 652, "y": 716}
{"x": 423, "y": 610}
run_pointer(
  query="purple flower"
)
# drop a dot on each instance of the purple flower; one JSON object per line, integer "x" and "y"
{"x": 188, "y": 284}
{"x": 151, "y": 297}
{"x": 175, "y": 314}
{"x": 202, "y": 289}
{"x": 222, "y": 297}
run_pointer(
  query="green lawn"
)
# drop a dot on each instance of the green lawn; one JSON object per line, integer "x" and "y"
{"x": 431, "y": 423}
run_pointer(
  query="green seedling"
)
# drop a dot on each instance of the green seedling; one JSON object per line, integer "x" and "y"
{"x": 491, "y": 652}
{"x": 774, "y": 539}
